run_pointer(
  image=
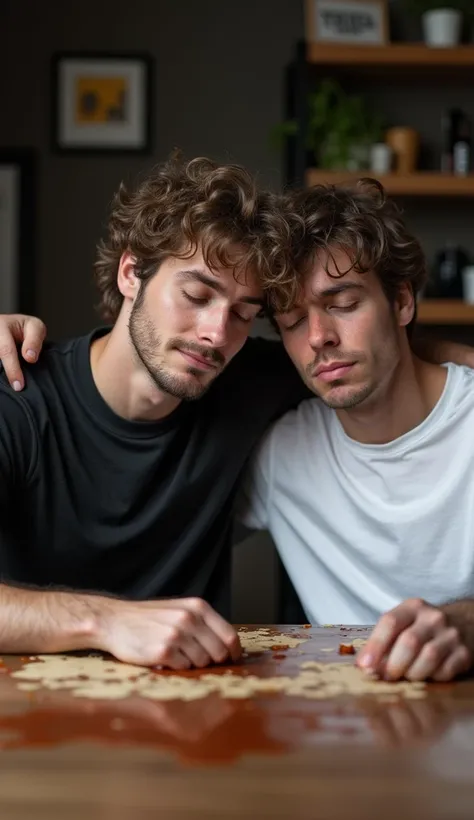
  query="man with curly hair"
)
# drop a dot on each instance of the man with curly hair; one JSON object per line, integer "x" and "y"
{"x": 367, "y": 489}
{"x": 121, "y": 457}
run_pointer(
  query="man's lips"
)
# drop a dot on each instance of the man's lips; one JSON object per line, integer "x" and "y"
{"x": 198, "y": 361}
{"x": 330, "y": 372}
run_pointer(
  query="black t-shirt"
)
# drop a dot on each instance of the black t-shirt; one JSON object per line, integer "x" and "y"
{"x": 91, "y": 501}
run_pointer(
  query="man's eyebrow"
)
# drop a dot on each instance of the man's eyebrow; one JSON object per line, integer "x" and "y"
{"x": 341, "y": 288}
{"x": 332, "y": 291}
{"x": 196, "y": 275}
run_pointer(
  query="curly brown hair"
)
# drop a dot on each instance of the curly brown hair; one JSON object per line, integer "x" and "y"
{"x": 359, "y": 219}
{"x": 180, "y": 206}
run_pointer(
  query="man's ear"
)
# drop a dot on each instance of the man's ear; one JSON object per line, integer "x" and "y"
{"x": 405, "y": 304}
{"x": 127, "y": 281}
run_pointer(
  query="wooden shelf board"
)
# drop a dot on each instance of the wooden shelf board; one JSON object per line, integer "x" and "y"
{"x": 421, "y": 183}
{"x": 445, "y": 312}
{"x": 397, "y": 54}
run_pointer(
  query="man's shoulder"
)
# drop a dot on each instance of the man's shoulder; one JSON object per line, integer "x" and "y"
{"x": 48, "y": 382}
{"x": 309, "y": 413}
{"x": 458, "y": 396}
{"x": 57, "y": 358}
{"x": 462, "y": 374}
{"x": 60, "y": 354}
{"x": 293, "y": 432}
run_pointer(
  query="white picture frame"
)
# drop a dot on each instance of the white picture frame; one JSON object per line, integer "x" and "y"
{"x": 102, "y": 103}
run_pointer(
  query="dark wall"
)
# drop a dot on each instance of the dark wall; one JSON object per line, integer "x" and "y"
{"x": 219, "y": 68}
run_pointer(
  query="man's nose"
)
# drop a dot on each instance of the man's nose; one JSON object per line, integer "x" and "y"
{"x": 213, "y": 326}
{"x": 321, "y": 330}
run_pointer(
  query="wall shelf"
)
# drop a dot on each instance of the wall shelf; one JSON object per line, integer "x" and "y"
{"x": 400, "y": 62}
{"x": 422, "y": 183}
{"x": 445, "y": 312}
{"x": 395, "y": 55}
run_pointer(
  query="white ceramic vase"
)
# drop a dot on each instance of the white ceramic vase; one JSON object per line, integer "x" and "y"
{"x": 442, "y": 27}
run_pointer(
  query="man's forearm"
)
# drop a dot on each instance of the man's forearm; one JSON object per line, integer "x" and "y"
{"x": 46, "y": 621}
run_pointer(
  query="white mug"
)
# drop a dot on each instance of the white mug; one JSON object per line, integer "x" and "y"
{"x": 381, "y": 158}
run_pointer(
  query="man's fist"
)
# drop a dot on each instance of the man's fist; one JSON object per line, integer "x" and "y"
{"x": 416, "y": 641}
{"x": 179, "y": 633}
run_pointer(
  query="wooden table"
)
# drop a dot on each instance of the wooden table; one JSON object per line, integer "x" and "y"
{"x": 66, "y": 758}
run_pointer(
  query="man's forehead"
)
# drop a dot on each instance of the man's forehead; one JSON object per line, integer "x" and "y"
{"x": 325, "y": 284}
{"x": 217, "y": 259}
{"x": 229, "y": 261}
{"x": 334, "y": 271}
{"x": 330, "y": 263}
{"x": 239, "y": 285}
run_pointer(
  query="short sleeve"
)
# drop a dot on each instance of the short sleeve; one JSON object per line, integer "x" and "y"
{"x": 254, "y": 497}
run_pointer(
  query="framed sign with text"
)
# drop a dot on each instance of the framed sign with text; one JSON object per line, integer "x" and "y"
{"x": 350, "y": 22}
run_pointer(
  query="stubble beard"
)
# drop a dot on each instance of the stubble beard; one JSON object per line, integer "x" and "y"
{"x": 346, "y": 402}
{"x": 366, "y": 393}
{"x": 147, "y": 345}
{"x": 342, "y": 402}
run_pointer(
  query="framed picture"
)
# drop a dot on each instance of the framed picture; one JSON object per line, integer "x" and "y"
{"x": 355, "y": 22}
{"x": 17, "y": 231}
{"x": 102, "y": 103}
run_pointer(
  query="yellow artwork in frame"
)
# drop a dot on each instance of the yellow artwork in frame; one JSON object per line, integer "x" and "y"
{"x": 101, "y": 99}
{"x": 102, "y": 102}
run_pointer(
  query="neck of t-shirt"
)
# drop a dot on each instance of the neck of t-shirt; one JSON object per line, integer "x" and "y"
{"x": 93, "y": 403}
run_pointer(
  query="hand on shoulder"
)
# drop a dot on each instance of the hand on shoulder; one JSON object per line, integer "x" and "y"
{"x": 16, "y": 329}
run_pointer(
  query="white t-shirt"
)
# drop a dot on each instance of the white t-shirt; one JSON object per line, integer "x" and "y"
{"x": 362, "y": 527}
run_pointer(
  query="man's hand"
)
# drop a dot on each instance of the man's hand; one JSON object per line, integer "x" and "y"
{"x": 178, "y": 633}
{"x": 16, "y": 328}
{"x": 416, "y": 641}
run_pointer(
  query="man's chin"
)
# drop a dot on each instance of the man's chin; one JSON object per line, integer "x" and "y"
{"x": 191, "y": 386}
{"x": 344, "y": 398}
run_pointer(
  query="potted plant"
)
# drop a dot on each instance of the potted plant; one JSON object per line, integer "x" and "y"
{"x": 341, "y": 128}
{"x": 441, "y": 20}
